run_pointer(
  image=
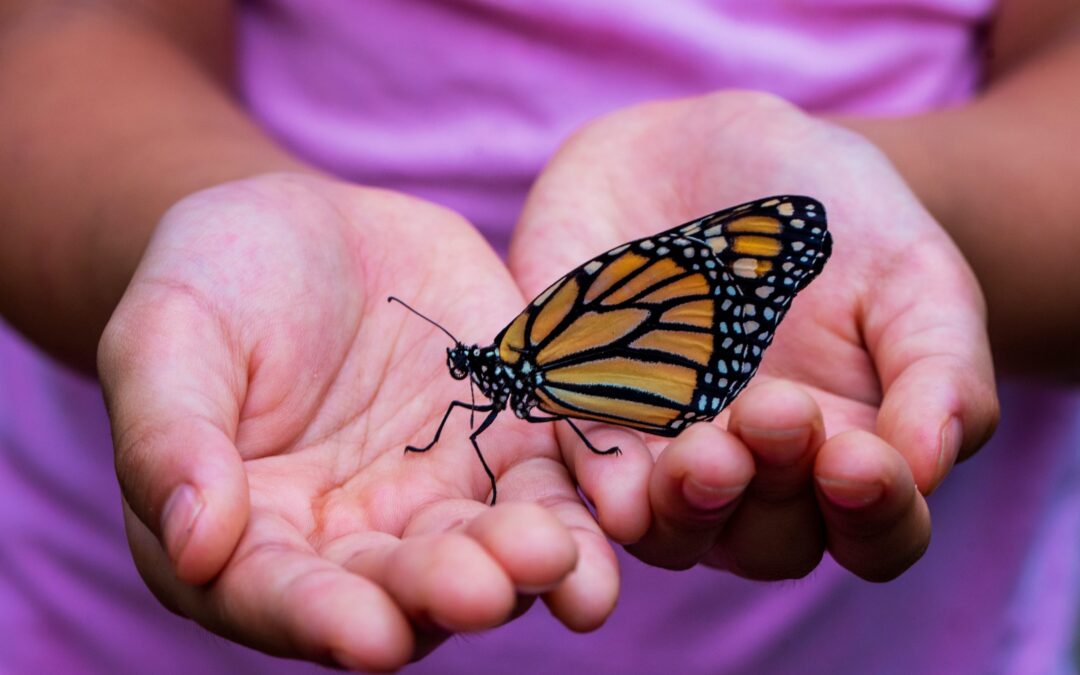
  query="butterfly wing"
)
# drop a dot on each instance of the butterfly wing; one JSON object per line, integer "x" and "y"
{"x": 664, "y": 331}
{"x": 773, "y": 248}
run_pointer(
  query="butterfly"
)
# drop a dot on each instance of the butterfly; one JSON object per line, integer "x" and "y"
{"x": 657, "y": 333}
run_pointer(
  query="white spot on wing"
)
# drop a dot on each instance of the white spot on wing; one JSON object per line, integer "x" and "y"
{"x": 593, "y": 266}
{"x": 542, "y": 298}
{"x": 745, "y": 267}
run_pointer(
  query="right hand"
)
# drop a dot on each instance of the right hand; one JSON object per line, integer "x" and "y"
{"x": 887, "y": 350}
{"x": 261, "y": 392}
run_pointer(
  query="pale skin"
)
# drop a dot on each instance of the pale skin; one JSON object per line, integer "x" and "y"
{"x": 334, "y": 516}
{"x": 901, "y": 385}
{"x": 312, "y": 535}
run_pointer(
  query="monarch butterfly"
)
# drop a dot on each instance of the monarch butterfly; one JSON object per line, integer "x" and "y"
{"x": 655, "y": 334}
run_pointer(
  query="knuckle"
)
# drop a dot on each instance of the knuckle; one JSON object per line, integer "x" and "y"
{"x": 135, "y": 448}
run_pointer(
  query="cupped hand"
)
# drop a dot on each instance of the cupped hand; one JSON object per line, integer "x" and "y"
{"x": 878, "y": 380}
{"x": 262, "y": 391}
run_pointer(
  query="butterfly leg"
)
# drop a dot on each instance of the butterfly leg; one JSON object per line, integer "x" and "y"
{"x": 472, "y": 437}
{"x": 438, "y": 432}
{"x": 610, "y": 450}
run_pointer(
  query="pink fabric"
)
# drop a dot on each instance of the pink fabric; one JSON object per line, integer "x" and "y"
{"x": 461, "y": 102}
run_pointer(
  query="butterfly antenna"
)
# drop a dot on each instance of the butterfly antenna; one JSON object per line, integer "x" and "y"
{"x": 433, "y": 323}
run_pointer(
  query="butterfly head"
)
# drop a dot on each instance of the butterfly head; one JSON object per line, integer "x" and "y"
{"x": 458, "y": 361}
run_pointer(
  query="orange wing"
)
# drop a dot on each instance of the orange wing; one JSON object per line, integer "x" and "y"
{"x": 665, "y": 331}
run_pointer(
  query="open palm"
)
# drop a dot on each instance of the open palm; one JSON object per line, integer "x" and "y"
{"x": 262, "y": 392}
{"x": 887, "y": 350}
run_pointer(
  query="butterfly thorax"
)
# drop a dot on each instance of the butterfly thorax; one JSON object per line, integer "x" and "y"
{"x": 500, "y": 382}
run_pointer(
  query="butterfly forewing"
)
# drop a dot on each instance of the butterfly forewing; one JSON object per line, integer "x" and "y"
{"x": 664, "y": 331}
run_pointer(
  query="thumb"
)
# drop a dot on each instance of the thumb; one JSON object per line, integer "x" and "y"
{"x": 926, "y": 329}
{"x": 165, "y": 369}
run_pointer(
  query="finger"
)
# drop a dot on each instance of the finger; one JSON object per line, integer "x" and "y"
{"x": 617, "y": 485}
{"x": 443, "y": 581}
{"x": 694, "y": 489}
{"x": 366, "y": 553}
{"x": 926, "y": 330}
{"x": 529, "y": 543}
{"x": 586, "y": 596}
{"x": 776, "y": 532}
{"x": 161, "y": 365}
{"x": 579, "y": 583}
{"x": 277, "y": 596}
{"x": 461, "y": 566}
{"x": 877, "y": 522}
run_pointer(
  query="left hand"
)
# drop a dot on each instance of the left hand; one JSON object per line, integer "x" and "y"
{"x": 262, "y": 392}
{"x": 879, "y": 379}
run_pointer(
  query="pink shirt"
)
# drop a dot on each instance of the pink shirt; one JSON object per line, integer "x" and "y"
{"x": 461, "y": 102}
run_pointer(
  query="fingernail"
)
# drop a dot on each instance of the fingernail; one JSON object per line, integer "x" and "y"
{"x": 952, "y": 433}
{"x": 850, "y": 494}
{"x": 707, "y": 497}
{"x": 178, "y": 519}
